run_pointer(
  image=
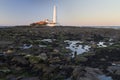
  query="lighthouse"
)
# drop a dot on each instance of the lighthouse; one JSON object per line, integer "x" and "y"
{"x": 55, "y": 15}
{"x": 53, "y": 22}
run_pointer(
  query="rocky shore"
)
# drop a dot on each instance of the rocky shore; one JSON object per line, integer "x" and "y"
{"x": 59, "y": 53}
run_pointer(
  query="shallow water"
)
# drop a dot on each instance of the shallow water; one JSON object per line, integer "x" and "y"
{"x": 25, "y": 46}
{"x": 76, "y": 46}
{"x": 101, "y": 44}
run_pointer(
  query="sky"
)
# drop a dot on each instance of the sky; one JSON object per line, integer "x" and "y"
{"x": 69, "y": 12}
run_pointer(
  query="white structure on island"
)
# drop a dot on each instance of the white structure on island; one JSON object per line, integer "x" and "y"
{"x": 48, "y": 22}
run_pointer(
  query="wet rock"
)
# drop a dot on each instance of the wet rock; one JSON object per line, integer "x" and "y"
{"x": 30, "y": 78}
{"x": 93, "y": 70}
{"x": 34, "y": 59}
{"x": 117, "y": 72}
{"x": 55, "y": 60}
{"x": 79, "y": 59}
{"x": 104, "y": 77}
{"x": 2, "y": 64}
{"x": 114, "y": 70}
{"x": 56, "y": 50}
{"x": 102, "y": 59}
{"x": 66, "y": 71}
{"x": 39, "y": 67}
{"x": 20, "y": 60}
{"x": 5, "y": 69}
{"x": 17, "y": 69}
{"x": 49, "y": 72}
{"x": 43, "y": 56}
{"x": 79, "y": 71}
{"x": 86, "y": 73}
{"x": 11, "y": 77}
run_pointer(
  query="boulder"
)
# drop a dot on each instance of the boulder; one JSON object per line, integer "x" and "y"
{"x": 114, "y": 70}
{"x": 87, "y": 73}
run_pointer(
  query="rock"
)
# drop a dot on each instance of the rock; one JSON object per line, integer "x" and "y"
{"x": 79, "y": 59}
{"x": 78, "y": 72}
{"x": 5, "y": 69}
{"x": 43, "y": 56}
{"x": 9, "y": 51}
{"x": 117, "y": 72}
{"x": 102, "y": 59}
{"x": 55, "y": 60}
{"x": 104, "y": 77}
{"x": 20, "y": 60}
{"x": 18, "y": 69}
{"x": 11, "y": 77}
{"x": 114, "y": 70}
{"x": 30, "y": 78}
{"x": 56, "y": 50}
{"x": 86, "y": 73}
{"x": 34, "y": 59}
{"x": 93, "y": 71}
{"x": 66, "y": 71}
{"x": 2, "y": 64}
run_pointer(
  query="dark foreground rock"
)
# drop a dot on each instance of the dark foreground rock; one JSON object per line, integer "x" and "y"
{"x": 24, "y": 55}
{"x": 88, "y": 74}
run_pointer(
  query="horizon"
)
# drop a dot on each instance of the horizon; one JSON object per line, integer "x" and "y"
{"x": 69, "y": 13}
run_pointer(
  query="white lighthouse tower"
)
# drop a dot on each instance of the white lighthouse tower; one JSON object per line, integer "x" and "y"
{"x": 55, "y": 15}
{"x": 53, "y": 22}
